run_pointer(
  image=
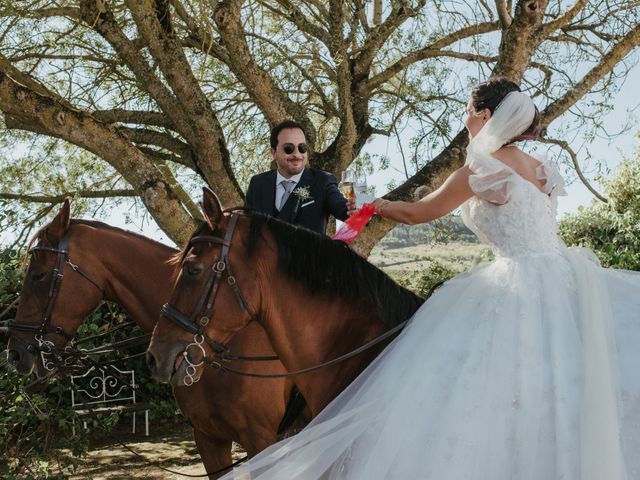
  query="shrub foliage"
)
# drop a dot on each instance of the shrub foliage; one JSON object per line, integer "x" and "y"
{"x": 611, "y": 230}
{"x": 36, "y": 419}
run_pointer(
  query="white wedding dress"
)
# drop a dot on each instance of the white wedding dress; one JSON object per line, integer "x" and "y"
{"x": 525, "y": 369}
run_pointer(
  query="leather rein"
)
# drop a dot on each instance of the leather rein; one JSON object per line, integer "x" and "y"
{"x": 205, "y": 308}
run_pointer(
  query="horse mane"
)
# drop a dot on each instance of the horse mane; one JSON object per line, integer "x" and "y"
{"x": 323, "y": 265}
{"x": 100, "y": 225}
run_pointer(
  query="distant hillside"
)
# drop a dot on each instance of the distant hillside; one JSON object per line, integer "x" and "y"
{"x": 448, "y": 229}
{"x": 421, "y": 256}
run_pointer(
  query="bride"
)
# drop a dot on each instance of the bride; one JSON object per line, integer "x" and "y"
{"x": 525, "y": 369}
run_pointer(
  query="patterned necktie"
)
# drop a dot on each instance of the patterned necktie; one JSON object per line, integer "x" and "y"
{"x": 288, "y": 186}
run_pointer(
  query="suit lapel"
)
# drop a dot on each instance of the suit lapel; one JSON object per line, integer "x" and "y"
{"x": 291, "y": 208}
{"x": 268, "y": 193}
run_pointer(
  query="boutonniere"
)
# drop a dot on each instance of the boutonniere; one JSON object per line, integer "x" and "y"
{"x": 303, "y": 194}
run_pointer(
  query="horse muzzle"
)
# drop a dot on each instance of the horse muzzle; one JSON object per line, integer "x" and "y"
{"x": 164, "y": 364}
{"x": 22, "y": 360}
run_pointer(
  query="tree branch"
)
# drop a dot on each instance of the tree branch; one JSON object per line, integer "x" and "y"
{"x": 28, "y": 81}
{"x": 328, "y": 106}
{"x": 205, "y": 133}
{"x": 431, "y": 50}
{"x": 503, "y": 14}
{"x": 79, "y": 128}
{"x": 564, "y": 19}
{"x": 140, "y": 117}
{"x": 521, "y": 39}
{"x": 630, "y": 41}
{"x": 97, "y": 16}
{"x": 267, "y": 95}
{"x": 346, "y": 139}
{"x": 293, "y": 14}
{"x": 154, "y": 137}
{"x": 201, "y": 37}
{"x": 574, "y": 158}
{"x": 379, "y": 35}
{"x": 431, "y": 175}
{"x": 69, "y": 12}
{"x": 33, "y": 198}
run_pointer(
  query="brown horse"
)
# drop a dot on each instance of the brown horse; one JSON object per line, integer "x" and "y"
{"x": 136, "y": 272}
{"x": 315, "y": 297}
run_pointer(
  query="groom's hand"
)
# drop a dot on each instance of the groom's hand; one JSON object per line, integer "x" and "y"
{"x": 351, "y": 205}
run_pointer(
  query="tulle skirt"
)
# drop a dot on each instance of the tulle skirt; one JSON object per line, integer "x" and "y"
{"x": 527, "y": 368}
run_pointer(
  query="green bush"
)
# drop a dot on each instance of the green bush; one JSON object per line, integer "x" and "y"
{"x": 36, "y": 425}
{"x": 434, "y": 274}
{"x": 11, "y": 273}
{"x": 422, "y": 281}
{"x": 611, "y": 229}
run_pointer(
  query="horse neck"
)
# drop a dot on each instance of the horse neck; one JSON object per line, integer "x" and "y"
{"x": 307, "y": 330}
{"x": 138, "y": 276}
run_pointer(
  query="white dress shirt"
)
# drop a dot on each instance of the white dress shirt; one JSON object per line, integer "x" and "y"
{"x": 280, "y": 186}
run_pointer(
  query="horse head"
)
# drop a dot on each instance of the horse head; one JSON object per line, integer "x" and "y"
{"x": 315, "y": 298}
{"x": 43, "y": 323}
{"x": 214, "y": 296}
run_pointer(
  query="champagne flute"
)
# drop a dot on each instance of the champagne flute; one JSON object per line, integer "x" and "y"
{"x": 360, "y": 188}
{"x": 346, "y": 185}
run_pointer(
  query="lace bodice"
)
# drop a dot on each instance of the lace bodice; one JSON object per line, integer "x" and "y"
{"x": 510, "y": 213}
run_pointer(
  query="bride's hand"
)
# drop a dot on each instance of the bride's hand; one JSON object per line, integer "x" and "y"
{"x": 379, "y": 204}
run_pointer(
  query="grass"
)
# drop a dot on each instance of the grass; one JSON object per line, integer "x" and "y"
{"x": 407, "y": 264}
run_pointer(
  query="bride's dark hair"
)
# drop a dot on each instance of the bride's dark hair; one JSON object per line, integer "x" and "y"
{"x": 489, "y": 94}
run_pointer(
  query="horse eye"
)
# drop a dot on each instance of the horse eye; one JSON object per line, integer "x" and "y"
{"x": 191, "y": 270}
{"x": 38, "y": 276}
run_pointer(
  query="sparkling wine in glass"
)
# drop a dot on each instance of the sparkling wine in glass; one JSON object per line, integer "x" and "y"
{"x": 347, "y": 184}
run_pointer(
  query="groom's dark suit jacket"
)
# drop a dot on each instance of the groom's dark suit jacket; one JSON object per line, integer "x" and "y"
{"x": 325, "y": 199}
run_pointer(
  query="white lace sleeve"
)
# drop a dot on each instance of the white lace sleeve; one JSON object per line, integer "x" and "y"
{"x": 548, "y": 173}
{"x": 491, "y": 180}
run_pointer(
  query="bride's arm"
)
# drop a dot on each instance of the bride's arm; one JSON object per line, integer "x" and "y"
{"x": 449, "y": 196}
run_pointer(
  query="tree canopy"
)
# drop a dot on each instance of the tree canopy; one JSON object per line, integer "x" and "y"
{"x": 151, "y": 99}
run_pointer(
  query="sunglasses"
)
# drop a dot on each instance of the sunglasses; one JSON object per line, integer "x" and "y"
{"x": 289, "y": 148}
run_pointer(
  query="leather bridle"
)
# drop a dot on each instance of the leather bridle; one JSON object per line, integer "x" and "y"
{"x": 204, "y": 309}
{"x": 44, "y": 328}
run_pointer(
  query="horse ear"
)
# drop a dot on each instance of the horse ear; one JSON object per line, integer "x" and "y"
{"x": 60, "y": 224}
{"x": 211, "y": 207}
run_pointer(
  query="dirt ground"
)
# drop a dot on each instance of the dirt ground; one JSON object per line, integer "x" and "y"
{"x": 168, "y": 445}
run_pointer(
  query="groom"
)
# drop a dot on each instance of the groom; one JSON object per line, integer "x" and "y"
{"x": 295, "y": 192}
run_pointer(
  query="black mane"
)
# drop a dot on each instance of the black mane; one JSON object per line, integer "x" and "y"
{"x": 322, "y": 265}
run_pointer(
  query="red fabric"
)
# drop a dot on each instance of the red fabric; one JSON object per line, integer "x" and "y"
{"x": 355, "y": 224}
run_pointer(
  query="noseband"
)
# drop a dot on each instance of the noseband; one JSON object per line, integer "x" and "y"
{"x": 44, "y": 328}
{"x": 204, "y": 309}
